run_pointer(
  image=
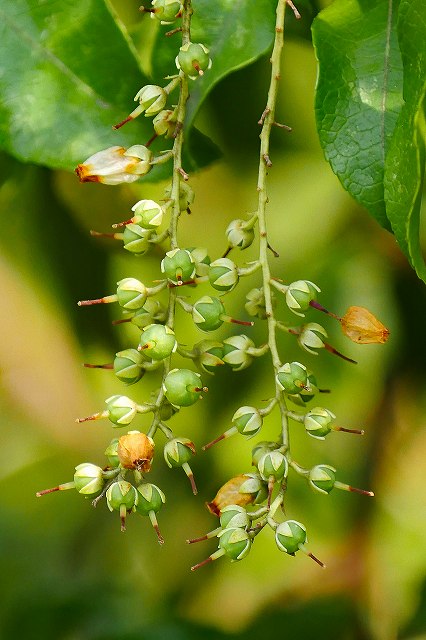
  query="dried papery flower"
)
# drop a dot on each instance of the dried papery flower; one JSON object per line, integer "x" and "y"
{"x": 241, "y": 490}
{"x": 361, "y": 326}
{"x": 135, "y": 451}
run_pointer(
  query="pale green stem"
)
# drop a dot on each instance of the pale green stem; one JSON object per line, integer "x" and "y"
{"x": 264, "y": 164}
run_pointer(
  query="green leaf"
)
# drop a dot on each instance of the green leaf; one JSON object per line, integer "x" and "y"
{"x": 68, "y": 71}
{"x": 359, "y": 94}
{"x": 236, "y": 32}
{"x": 405, "y": 162}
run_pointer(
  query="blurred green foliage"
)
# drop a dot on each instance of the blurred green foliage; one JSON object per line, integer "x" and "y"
{"x": 67, "y": 571}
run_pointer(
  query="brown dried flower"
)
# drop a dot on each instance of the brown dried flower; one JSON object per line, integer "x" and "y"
{"x": 361, "y": 326}
{"x": 135, "y": 451}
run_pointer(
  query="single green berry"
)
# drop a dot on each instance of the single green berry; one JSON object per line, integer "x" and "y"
{"x": 178, "y": 266}
{"x": 239, "y": 235}
{"x": 223, "y": 274}
{"x": 273, "y": 465}
{"x": 322, "y": 478}
{"x": 248, "y": 421}
{"x": 289, "y": 535}
{"x": 318, "y": 422}
{"x": 255, "y": 486}
{"x": 121, "y": 410}
{"x": 209, "y": 355}
{"x": 292, "y": 377}
{"x": 201, "y": 260}
{"x": 111, "y": 453}
{"x": 131, "y": 294}
{"x": 166, "y": 11}
{"x": 157, "y": 341}
{"x": 236, "y": 352}
{"x": 128, "y": 366}
{"x": 304, "y": 396}
{"x": 152, "y": 99}
{"x": 312, "y": 337}
{"x": 136, "y": 239}
{"x": 193, "y": 59}
{"x": 88, "y": 478}
{"x": 300, "y": 294}
{"x": 207, "y": 313}
{"x": 259, "y": 450}
{"x": 235, "y": 542}
{"x": 148, "y": 214}
{"x": 149, "y": 498}
{"x": 121, "y": 493}
{"x": 183, "y": 387}
{"x": 152, "y": 311}
{"x": 178, "y": 451}
{"x": 234, "y": 516}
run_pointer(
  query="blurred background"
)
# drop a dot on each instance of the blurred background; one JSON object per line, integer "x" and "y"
{"x": 67, "y": 571}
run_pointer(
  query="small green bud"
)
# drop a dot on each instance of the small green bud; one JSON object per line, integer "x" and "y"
{"x": 183, "y": 387}
{"x": 131, "y": 294}
{"x": 193, "y": 59}
{"x": 322, "y": 478}
{"x": 238, "y": 235}
{"x": 234, "y": 516}
{"x": 149, "y": 498}
{"x": 157, "y": 341}
{"x": 223, "y": 274}
{"x": 111, "y": 453}
{"x": 121, "y": 493}
{"x": 289, "y": 535}
{"x": 235, "y": 542}
{"x": 248, "y": 421}
{"x": 235, "y": 352}
{"x": 88, "y": 478}
{"x": 128, "y": 366}
{"x": 259, "y": 450}
{"x": 255, "y": 486}
{"x": 207, "y": 313}
{"x": 148, "y": 214}
{"x": 292, "y": 377}
{"x": 178, "y": 451}
{"x": 152, "y": 99}
{"x": 255, "y": 305}
{"x": 136, "y": 239}
{"x": 304, "y": 396}
{"x": 299, "y": 295}
{"x": 178, "y": 265}
{"x": 273, "y": 464}
{"x": 312, "y": 337}
{"x": 186, "y": 195}
{"x": 201, "y": 260}
{"x": 318, "y": 422}
{"x": 121, "y": 410}
{"x": 166, "y": 11}
{"x": 167, "y": 410}
{"x": 152, "y": 311}
{"x": 209, "y": 355}
{"x": 165, "y": 123}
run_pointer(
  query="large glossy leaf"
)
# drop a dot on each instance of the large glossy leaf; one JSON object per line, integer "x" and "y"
{"x": 359, "y": 93}
{"x": 236, "y": 33}
{"x": 68, "y": 71}
{"x": 405, "y": 163}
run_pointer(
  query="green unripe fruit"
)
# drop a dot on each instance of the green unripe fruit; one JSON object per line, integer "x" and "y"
{"x": 223, "y": 274}
{"x": 193, "y": 59}
{"x": 111, "y": 453}
{"x": 209, "y": 355}
{"x": 322, "y": 478}
{"x": 318, "y": 422}
{"x": 152, "y": 99}
{"x": 255, "y": 305}
{"x": 289, "y": 535}
{"x": 235, "y": 352}
{"x": 238, "y": 235}
{"x": 234, "y": 516}
{"x": 178, "y": 451}
{"x": 207, "y": 313}
{"x": 312, "y": 337}
{"x": 121, "y": 493}
{"x": 178, "y": 266}
{"x": 157, "y": 341}
{"x": 248, "y": 421}
{"x": 255, "y": 486}
{"x": 128, "y": 366}
{"x": 273, "y": 464}
{"x": 201, "y": 260}
{"x": 235, "y": 542}
{"x": 166, "y": 10}
{"x": 149, "y": 498}
{"x": 88, "y": 478}
{"x": 152, "y": 311}
{"x": 305, "y": 396}
{"x": 299, "y": 295}
{"x": 136, "y": 239}
{"x": 131, "y": 294}
{"x": 167, "y": 410}
{"x": 183, "y": 387}
{"x": 292, "y": 377}
{"x": 121, "y": 410}
{"x": 259, "y": 450}
{"x": 148, "y": 214}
